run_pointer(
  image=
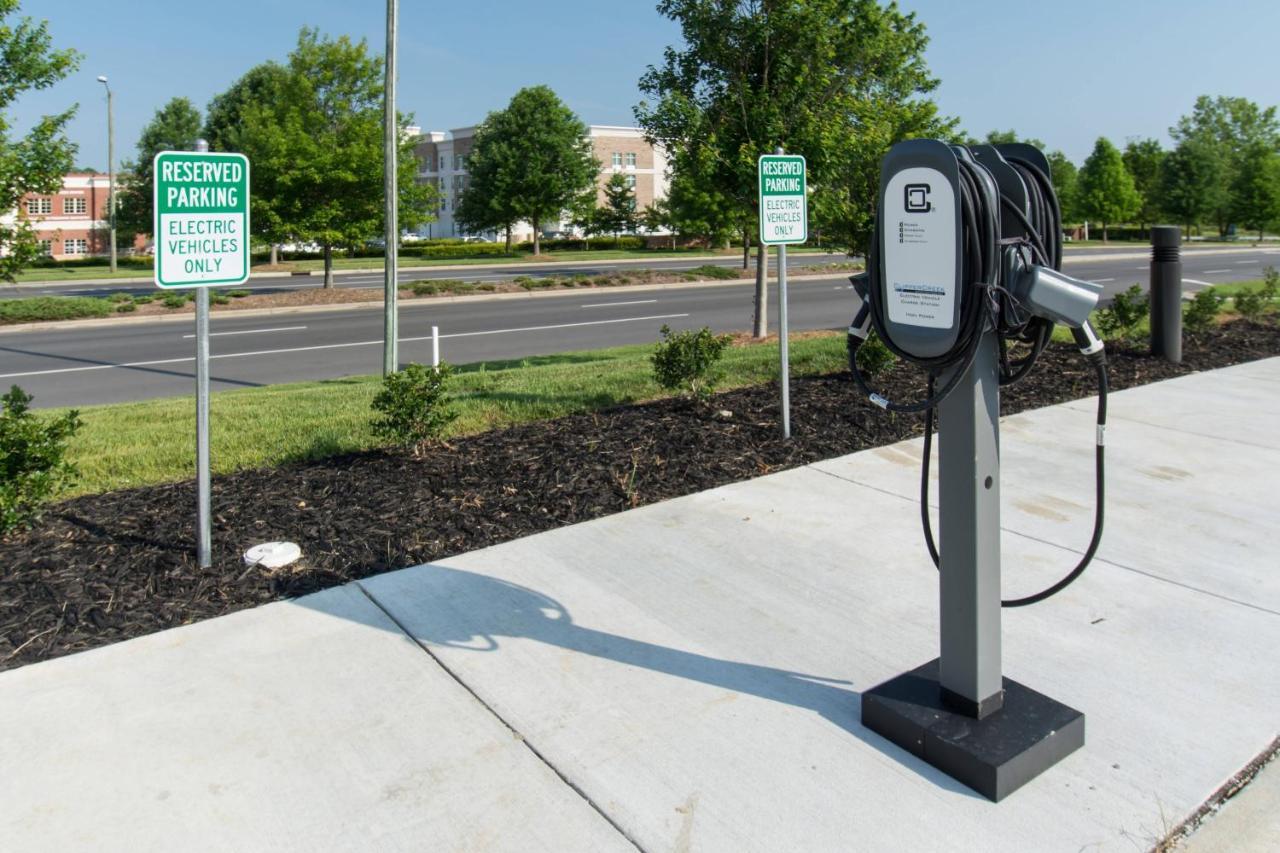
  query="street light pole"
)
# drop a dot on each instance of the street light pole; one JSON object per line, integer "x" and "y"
{"x": 391, "y": 144}
{"x": 111, "y": 169}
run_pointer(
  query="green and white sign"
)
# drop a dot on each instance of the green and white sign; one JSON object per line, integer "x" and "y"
{"x": 201, "y": 219}
{"x": 784, "y": 207}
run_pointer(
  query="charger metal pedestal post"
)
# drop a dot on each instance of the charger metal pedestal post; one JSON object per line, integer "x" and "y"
{"x": 931, "y": 303}
{"x": 1166, "y": 292}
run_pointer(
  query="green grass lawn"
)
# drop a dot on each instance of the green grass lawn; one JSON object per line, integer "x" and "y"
{"x": 136, "y": 444}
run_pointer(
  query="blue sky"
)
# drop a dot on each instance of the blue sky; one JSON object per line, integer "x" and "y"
{"x": 1102, "y": 68}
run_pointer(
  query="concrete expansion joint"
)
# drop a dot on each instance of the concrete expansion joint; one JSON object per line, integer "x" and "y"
{"x": 516, "y": 733}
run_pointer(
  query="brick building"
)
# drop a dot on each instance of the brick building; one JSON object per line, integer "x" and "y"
{"x": 74, "y": 221}
{"x": 442, "y": 162}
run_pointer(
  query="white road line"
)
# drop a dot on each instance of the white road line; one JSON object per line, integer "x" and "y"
{"x": 1215, "y": 272}
{"x": 1102, "y": 280}
{"x": 1249, "y": 263}
{"x": 254, "y": 331}
{"x": 612, "y": 304}
{"x": 378, "y": 342}
{"x": 1197, "y": 282}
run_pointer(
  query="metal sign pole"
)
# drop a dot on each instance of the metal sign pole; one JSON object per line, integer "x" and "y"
{"x": 783, "y": 355}
{"x": 204, "y": 535}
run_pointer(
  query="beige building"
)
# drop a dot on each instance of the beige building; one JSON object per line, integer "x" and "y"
{"x": 442, "y": 162}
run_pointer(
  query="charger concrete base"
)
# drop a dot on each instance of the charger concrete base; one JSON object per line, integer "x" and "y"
{"x": 994, "y": 755}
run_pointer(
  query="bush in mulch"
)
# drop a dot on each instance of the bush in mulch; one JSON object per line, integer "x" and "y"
{"x": 105, "y": 568}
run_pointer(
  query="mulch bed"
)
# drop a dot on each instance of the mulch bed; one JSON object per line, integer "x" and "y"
{"x": 104, "y": 568}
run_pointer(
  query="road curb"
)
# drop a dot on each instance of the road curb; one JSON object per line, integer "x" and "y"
{"x": 376, "y": 304}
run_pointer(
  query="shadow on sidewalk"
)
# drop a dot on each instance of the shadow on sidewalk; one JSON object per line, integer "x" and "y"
{"x": 446, "y": 608}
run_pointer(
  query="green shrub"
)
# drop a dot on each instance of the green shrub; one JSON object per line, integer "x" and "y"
{"x": 1203, "y": 310}
{"x": 1126, "y": 312}
{"x": 487, "y": 286}
{"x": 1252, "y": 304}
{"x": 687, "y": 361}
{"x": 145, "y": 299}
{"x": 535, "y": 283}
{"x": 126, "y": 307}
{"x": 239, "y": 294}
{"x": 874, "y": 357}
{"x": 217, "y": 297}
{"x": 33, "y": 462}
{"x": 174, "y": 300}
{"x": 454, "y": 250}
{"x": 713, "y": 272}
{"x": 414, "y": 406}
{"x": 120, "y": 297}
{"x": 40, "y": 308}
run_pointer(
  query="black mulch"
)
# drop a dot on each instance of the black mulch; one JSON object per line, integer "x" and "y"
{"x": 105, "y": 568}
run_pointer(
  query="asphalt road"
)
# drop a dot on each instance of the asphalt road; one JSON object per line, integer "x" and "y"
{"x": 133, "y": 361}
{"x": 466, "y": 272}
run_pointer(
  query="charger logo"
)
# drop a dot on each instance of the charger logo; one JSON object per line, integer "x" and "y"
{"x": 916, "y": 198}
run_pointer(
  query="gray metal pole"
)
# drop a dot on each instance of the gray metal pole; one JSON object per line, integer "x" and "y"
{"x": 203, "y": 515}
{"x": 1166, "y": 292}
{"x": 391, "y": 143}
{"x": 969, "y": 491}
{"x": 111, "y": 173}
{"x": 783, "y": 355}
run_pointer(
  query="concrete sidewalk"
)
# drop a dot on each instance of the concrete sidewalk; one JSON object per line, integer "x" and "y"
{"x": 686, "y": 676}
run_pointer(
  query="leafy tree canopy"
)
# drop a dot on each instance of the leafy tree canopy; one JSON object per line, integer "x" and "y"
{"x": 175, "y": 127}
{"x": 36, "y": 162}
{"x": 530, "y": 161}
{"x": 837, "y": 81}
{"x": 1105, "y": 191}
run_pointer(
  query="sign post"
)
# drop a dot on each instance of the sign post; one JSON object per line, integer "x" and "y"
{"x": 201, "y": 234}
{"x": 784, "y": 219}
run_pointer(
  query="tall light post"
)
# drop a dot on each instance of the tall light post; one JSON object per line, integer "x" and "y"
{"x": 391, "y": 145}
{"x": 111, "y": 169}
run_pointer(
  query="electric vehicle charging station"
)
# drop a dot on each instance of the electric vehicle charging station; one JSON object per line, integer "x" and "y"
{"x": 963, "y": 280}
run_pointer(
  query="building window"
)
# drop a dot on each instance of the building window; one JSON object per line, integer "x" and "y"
{"x": 45, "y": 247}
{"x": 457, "y": 162}
{"x": 617, "y": 159}
{"x": 75, "y": 246}
{"x": 39, "y": 206}
{"x": 631, "y": 159}
{"x": 631, "y": 181}
{"x": 73, "y": 204}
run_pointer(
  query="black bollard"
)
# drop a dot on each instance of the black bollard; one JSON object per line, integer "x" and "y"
{"x": 1166, "y": 292}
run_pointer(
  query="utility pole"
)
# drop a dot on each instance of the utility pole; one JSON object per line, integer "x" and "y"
{"x": 111, "y": 169}
{"x": 391, "y": 144}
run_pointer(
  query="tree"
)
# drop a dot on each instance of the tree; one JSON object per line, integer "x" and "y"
{"x": 539, "y": 160}
{"x": 1255, "y": 190}
{"x": 1189, "y": 179}
{"x": 1005, "y": 137}
{"x": 1227, "y": 127}
{"x": 488, "y": 202}
{"x": 175, "y": 127}
{"x": 316, "y": 143}
{"x": 619, "y": 211}
{"x": 1064, "y": 175}
{"x": 263, "y": 86}
{"x": 36, "y": 162}
{"x": 1142, "y": 157}
{"x": 837, "y": 81}
{"x": 1105, "y": 187}
{"x": 659, "y": 217}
